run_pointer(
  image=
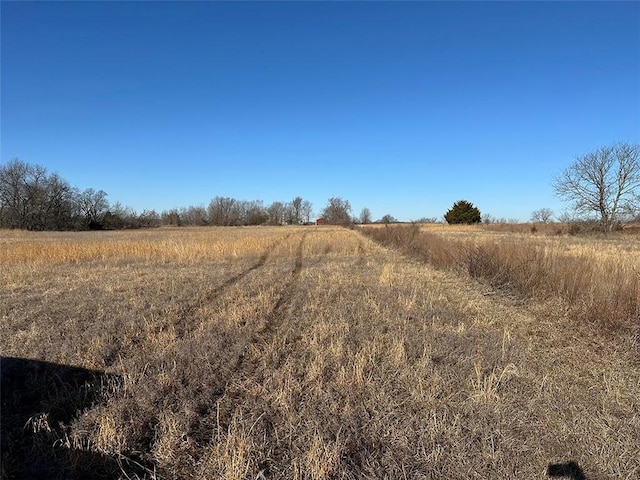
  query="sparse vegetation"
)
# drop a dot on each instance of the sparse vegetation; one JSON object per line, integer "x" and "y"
{"x": 302, "y": 352}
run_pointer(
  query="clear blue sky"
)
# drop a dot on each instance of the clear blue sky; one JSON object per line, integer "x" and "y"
{"x": 402, "y": 107}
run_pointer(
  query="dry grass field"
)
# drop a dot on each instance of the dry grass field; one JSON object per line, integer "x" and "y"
{"x": 312, "y": 353}
{"x": 597, "y": 276}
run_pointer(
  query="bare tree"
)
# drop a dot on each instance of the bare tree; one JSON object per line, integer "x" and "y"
{"x": 306, "y": 210}
{"x": 544, "y": 215}
{"x": 147, "y": 219}
{"x": 171, "y": 217}
{"x": 60, "y": 206}
{"x": 14, "y": 181}
{"x": 224, "y": 211}
{"x": 36, "y": 197}
{"x": 365, "y": 216}
{"x": 194, "y": 215}
{"x": 289, "y": 213}
{"x": 488, "y": 218}
{"x": 388, "y": 218}
{"x": 31, "y": 198}
{"x": 254, "y": 213}
{"x": 93, "y": 206}
{"x": 337, "y": 211}
{"x": 276, "y": 213}
{"x": 604, "y": 182}
{"x": 296, "y": 211}
{"x": 431, "y": 220}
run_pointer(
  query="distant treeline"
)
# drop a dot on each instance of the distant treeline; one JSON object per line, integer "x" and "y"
{"x": 226, "y": 211}
{"x": 31, "y": 198}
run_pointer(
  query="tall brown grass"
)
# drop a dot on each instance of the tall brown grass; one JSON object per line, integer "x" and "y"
{"x": 164, "y": 244}
{"x": 599, "y": 280}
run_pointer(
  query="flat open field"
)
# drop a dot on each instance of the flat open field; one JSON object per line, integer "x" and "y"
{"x": 296, "y": 353}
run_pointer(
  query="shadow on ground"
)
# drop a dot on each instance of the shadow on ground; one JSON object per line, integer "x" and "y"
{"x": 569, "y": 470}
{"x": 38, "y": 402}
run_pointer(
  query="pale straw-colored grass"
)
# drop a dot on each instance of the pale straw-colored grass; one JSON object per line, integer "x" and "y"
{"x": 307, "y": 353}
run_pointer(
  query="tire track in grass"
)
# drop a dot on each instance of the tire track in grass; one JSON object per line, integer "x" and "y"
{"x": 277, "y": 313}
{"x": 274, "y": 349}
{"x": 261, "y": 337}
{"x": 215, "y": 292}
{"x": 188, "y": 309}
{"x": 195, "y": 383}
{"x": 274, "y": 317}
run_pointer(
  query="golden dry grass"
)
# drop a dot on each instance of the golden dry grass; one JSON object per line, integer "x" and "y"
{"x": 188, "y": 244}
{"x": 298, "y": 352}
{"x": 598, "y": 277}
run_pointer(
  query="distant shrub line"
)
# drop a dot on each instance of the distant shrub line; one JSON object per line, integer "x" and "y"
{"x": 600, "y": 292}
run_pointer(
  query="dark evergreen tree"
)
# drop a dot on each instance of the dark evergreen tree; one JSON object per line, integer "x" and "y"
{"x": 462, "y": 212}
